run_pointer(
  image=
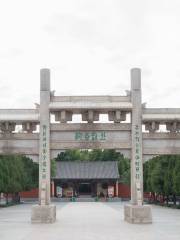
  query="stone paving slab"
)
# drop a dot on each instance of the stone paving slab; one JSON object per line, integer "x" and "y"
{"x": 88, "y": 221}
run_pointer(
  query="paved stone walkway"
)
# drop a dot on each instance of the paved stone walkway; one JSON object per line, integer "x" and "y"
{"x": 87, "y": 221}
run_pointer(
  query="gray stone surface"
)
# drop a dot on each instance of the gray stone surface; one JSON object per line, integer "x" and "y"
{"x": 88, "y": 221}
{"x": 63, "y": 107}
{"x": 137, "y": 214}
{"x": 43, "y": 214}
{"x": 136, "y": 133}
{"x": 118, "y": 137}
{"x": 44, "y": 138}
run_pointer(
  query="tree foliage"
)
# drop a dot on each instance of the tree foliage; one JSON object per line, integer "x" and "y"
{"x": 162, "y": 176}
{"x": 17, "y": 173}
{"x": 53, "y": 168}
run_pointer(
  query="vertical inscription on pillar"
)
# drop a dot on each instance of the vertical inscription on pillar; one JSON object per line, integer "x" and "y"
{"x": 137, "y": 167}
{"x": 44, "y": 152}
{"x": 44, "y": 165}
{"x": 137, "y": 153}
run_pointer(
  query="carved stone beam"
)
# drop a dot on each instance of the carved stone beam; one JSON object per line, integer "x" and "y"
{"x": 117, "y": 116}
{"x": 29, "y": 127}
{"x": 172, "y": 126}
{"x": 63, "y": 116}
{"x": 152, "y": 126}
{"x": 90, "y": 116}
{"x": 7, "y": 127}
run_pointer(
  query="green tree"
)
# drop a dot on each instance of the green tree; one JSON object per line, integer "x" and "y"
{"x": 176, "y": 177}
{"x": 53, "y": 168}
{"x": 162, "y": 175}
{"x": 17, "y": 173}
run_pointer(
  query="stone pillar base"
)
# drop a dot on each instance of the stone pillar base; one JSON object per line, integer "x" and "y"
{"x": 43, "y": 214}
{"x": 137, "y": 214}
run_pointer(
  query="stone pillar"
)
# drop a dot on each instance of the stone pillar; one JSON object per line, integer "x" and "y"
{"x": 44, "y": 212}
{"x": 29, "y": 127}
{"x": 136, "y": 154}
{"x": 44, "y": 152}
{"x": 117, "y": 189}
{"x": 136, "y": 212}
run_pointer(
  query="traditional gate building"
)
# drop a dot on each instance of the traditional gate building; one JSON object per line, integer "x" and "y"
{"x": 44, "y": 142}
{"x": 91, "y": 178}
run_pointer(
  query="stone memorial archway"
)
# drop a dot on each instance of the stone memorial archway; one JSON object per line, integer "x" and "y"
{"x": 125, "y": 137}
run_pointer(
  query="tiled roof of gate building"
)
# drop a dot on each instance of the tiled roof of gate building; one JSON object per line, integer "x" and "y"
{"x": 87, "y": 170}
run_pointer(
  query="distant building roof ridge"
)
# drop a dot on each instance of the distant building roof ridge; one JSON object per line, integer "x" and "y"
{"x": 87, "y": 170}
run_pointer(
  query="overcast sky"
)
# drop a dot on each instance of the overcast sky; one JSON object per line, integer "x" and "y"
{"x": 90, "y": 47}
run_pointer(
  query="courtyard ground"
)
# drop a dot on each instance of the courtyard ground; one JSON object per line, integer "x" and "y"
{"x": 87, "y": 221}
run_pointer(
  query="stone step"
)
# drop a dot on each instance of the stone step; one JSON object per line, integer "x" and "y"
{"x": 86, "y": 199}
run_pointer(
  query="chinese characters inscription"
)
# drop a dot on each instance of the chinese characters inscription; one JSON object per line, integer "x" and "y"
{"x": 137, "y": 153}
{"x": 44, "y": 151}
{"x": 90, "y": 136}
